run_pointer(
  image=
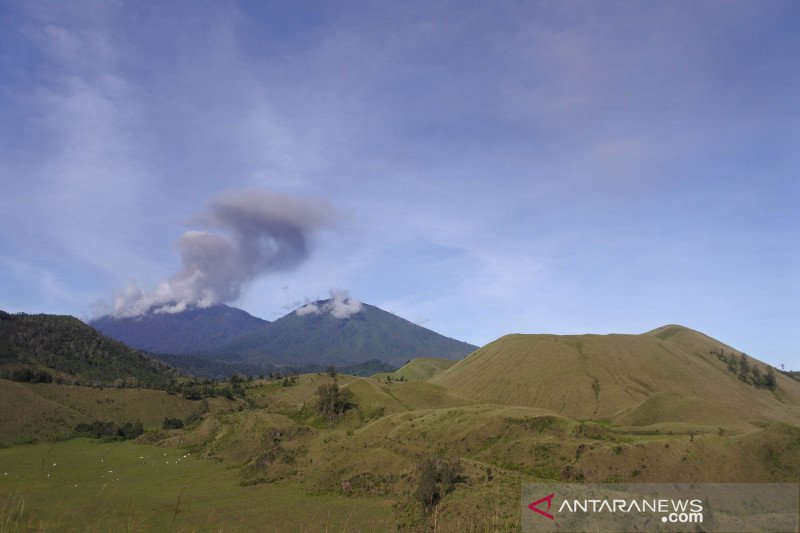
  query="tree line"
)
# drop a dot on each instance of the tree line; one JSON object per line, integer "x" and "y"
{"x": 746, "y": 370}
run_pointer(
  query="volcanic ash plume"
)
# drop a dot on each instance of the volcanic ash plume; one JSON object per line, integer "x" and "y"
{"x": 340, "y": 305}
{"x": 245, "y": 234}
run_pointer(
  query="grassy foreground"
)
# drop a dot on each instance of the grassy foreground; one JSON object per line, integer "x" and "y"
{"x": 660, "y": 407}
{"x": 85, "y": 485}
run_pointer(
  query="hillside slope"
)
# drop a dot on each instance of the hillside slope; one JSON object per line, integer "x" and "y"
{"x": 73, "y": 352}
{"x": 46, "y": 410}
{"x": 189, "y": 331}
{"x": 668, "y": 374}
{"x": 419, "y": 369}
{"x": 322, "y": 338}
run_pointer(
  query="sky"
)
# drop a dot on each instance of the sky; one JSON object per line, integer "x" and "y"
{"x": 479, "y": 168}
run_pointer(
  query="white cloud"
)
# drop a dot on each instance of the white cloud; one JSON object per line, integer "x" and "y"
{"x": 308, "y": 309}
{"x": 340, "y": 305}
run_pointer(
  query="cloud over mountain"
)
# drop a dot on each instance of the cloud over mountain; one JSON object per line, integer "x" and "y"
{"x": 340, "y": 305}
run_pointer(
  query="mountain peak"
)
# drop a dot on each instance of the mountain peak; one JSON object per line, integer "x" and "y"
{"x": 340, "y": 332}
{"x": 187, "y": 331}
{"x": 339, "y": 305}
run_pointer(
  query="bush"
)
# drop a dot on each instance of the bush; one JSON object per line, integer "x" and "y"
{"x": 172, "y": 423}
{"x": 131, "y": 430}
{"x": 436, "y": 476}
{"x": 98, "y": 429}
{"x": 332, "y": 402}
{"x": 769, "y": 379}
{"x": 22, "y": 375}
{"x": 192, "y": 418}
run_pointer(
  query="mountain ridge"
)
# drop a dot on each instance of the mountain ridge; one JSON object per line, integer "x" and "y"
{"x": 68, "y": 350}
{"x": 370, "y": 333}
{"x": 318, "y": 333}
{"x": 185, "y": 332}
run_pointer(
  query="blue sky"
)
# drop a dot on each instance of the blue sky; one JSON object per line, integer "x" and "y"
{"x": 495, "y": 167}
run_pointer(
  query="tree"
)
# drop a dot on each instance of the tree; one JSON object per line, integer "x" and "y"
{"x": 332, "y": 402}
{"x": 131, "y": 430}
{"x": 427, "y": 491}
{"x": 757, "y": 379}
{"x": 435, "y": 478}
{"x": 744, "y": 367}
{"x": 331, "y": 370}
{"x": 769, "y": 379}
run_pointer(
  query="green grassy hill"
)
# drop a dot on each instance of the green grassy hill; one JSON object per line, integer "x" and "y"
{"x": 68, "y": 350}
{"x": 624, "y": 377}
{"x": 658, "y": 407}
{"x": 40, "y": 411}
{"x": 419, "y": 369}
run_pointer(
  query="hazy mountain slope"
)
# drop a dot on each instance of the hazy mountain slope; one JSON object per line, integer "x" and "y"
{"x": 65, "y": 345}
{"x": 607, "y": 376}
{"x": 189, "y": 331}
{"x": 322, "y": 338}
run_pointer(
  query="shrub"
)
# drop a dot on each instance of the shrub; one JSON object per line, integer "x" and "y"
{"x": 226, "y": 393}
{"x": 131, "y": 430}
{"x": 192, "y": 393}
{"x": 769, "y": 379}
{"x": 436, "y": 477}
{"x": 192, "y": 418}
{"x": 172, "y": 423}
{"x": 22, "y": 375}
{"x": 98, "y": 429}
{"x": 332, "y": 402}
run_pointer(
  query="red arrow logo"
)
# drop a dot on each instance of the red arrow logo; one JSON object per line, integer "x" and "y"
{"x": 549, "y": 500}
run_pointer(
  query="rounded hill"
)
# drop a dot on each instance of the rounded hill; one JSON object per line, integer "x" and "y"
{"x": 611, "y": 376}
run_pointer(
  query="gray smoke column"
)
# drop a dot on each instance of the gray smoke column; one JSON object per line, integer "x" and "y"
{"x": 245, "y": 234}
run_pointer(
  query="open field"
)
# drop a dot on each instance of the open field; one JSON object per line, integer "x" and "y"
{"x": 82, "y": 485}
{"x": 241, "y": 470}
{"x": 663, "y": 408}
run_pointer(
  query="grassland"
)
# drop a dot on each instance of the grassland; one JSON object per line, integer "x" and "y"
{"x": 270, "y": 462}
{"x": 83, "y": 485}
{"x": 620, "y": 377}
{"x": 419, "y": 369}
{"x": 39, "y": 411}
